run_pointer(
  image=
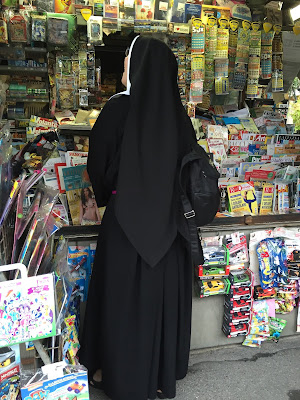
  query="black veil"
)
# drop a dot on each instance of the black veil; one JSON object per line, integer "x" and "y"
{"x": 157, "y": 134}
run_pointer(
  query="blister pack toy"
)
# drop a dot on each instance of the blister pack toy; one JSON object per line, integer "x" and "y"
{"x": 236, "y": 317}
{"x": 213, "y": 287}
{"x": 235, "y": 330}
{"x": 240, "y": 292}
{"x": 237, "y": 305}
{"x": 236, "y": 244}
{"x": 272, "y": 262}
{"x": 214, "y": 252}
{"x": 263, "y": 294}
{"x": 213, "y": 271}
{"x": 240, "y": 278}
{"x": 79, "y": 263}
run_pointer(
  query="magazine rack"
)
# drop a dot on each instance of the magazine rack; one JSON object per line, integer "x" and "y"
{"x": 27, "y": 304}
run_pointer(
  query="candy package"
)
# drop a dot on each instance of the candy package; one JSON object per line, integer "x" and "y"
{"x": 276, "y": 326}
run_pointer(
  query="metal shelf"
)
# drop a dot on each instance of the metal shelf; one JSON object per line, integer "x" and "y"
{"x": 11, "y": 70}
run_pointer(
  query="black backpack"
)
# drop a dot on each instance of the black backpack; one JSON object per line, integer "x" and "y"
{"x": 200, "y": 195}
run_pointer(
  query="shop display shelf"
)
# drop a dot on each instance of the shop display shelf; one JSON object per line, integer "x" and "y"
{"x": 73, "y": 127}
{"x": 292, "y": 219}
{"x": 26, "y": 100}
{"x": 79, "y": 231}
{"x": 38, "y": 50}
{"x": 11, "y": 70}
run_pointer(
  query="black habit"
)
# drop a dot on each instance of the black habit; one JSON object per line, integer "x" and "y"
{"x": 138, "y": 316}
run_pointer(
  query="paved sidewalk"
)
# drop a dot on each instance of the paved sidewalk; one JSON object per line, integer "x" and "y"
{"x": 235, "y": 372}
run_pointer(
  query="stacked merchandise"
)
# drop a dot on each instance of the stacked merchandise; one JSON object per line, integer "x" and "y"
{"x": 239, "y": 298}
{"x": 212, "y": 276}
{"x": 238, "y": 303}
{"x": 256, "y": 160}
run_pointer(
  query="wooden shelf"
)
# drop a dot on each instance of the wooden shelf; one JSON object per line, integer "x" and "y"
{"x": 226, "y": 223}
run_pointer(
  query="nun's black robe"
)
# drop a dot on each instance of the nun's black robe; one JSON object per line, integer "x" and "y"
{"x": 138, "y": 318}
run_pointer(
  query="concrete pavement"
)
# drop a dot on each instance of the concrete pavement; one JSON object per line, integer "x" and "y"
{"x": 235, "y": 372}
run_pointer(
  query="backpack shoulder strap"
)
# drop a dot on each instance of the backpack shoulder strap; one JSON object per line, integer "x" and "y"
{"x": 189, "y": 213}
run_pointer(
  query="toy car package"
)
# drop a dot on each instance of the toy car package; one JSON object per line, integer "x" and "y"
{"x": 263, "y": 294}
{"x": 232, "y": 306}
{"x": 209, "y": 272}
{"x": 214, "y": 252}
{"x": 213, "y": 286}
{"x": 240, "y": 292}
{"x": 236, "y": 317}
{"x": 240, "y": 278}
{"x": 235, "y": 330}
{"x": 236, "y": 244}
{"x": 215, "y": 255}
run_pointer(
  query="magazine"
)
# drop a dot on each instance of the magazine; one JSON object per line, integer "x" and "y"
{"x": 74, "y": 158}
{"x": 81, "y": 199}
{"x": 242, "y": 198}
{"x": 144, "y": 9}
{"x": 267, "y": 199}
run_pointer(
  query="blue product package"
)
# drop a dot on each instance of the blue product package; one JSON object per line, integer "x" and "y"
{"x": 192, "y": 10}
{"x": 80, "y": 270}
{"x": 71, "y": 386}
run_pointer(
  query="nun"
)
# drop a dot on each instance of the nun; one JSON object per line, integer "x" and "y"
{"x": 136, "y": 335}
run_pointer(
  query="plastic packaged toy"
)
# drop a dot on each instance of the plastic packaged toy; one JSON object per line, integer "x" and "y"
{"x": 213, "y": 271}
{"x": 262, "y": 294}
{"x": 240, "y": 278}
{"x": 259, "y": 325}
{"x": 38, "y": 28}
{"x": 236, "y": 317}
{"x": 237, "y": 305}
{"x": 241, "y": 292}
{"x": 58, "y": 31}
{"x": 272, "y": 262}
{"x": 235, "y": 330}
{"x": 213, "y": 287}
{"x": 236, "y": 243}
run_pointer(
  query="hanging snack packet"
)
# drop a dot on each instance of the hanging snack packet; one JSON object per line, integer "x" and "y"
{"x": 276, "y": 326}
{"x": 38, "y": 28}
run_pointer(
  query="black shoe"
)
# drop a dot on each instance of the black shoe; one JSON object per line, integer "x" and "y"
{"x": 96, "y": 384}
{"x": 160, "y": 395}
